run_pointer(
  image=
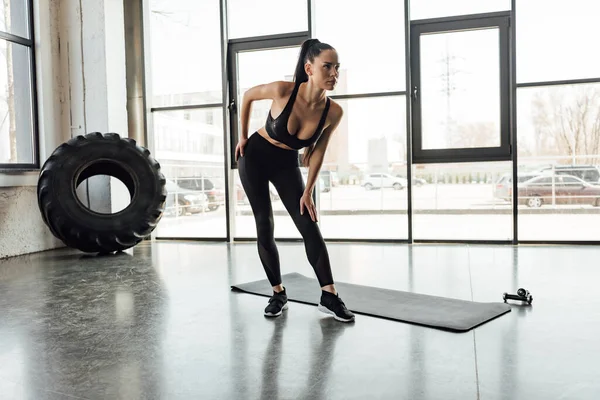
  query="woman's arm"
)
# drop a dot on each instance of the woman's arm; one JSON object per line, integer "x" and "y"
{"x": 271, "y": 91}
{"x": 316, "y": 159}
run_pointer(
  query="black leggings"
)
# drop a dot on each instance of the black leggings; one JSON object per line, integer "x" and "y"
{"x": 263, "y": 162}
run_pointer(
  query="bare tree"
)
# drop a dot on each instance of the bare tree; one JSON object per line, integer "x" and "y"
{"x": 477, "y": 134}
{"x": 544, "y": 139}
{"x": 567, "y": 122}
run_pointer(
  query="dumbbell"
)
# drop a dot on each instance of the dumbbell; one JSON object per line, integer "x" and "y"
{"x": 522, "y": 295}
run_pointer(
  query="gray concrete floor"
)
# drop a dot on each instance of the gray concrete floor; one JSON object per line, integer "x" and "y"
{"x": 160, "y": 322}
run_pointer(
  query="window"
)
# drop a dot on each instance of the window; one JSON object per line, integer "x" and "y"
{"x": 557, "y": 42}
{"x": 246, "y": 59}
{"x": 460, "y": 201}
{"x": 541, "y": 182}
{"x": 559, "y": 135}
{"x": 460, "y": 90}
{"x": 265, "y": 17}
{"x": 185, "y": 52}
{"x": 372, "y": 57}
{"x": 421, "y": 9}
{"x": 18, "y": 135}
{"x": 362, "y": 185}
{"x": 568, "y": 180}
{"x": 191, "y": 161}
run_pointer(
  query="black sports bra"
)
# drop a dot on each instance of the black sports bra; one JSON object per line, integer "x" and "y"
{"x": 277, "y": 128}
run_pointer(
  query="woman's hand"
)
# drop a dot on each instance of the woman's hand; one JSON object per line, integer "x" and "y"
{"x": 239, "y": 149}
{"x": 306, "y": 201}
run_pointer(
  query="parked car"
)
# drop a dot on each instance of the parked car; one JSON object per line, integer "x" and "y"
{"x": 416, "y": 181}
{"x": 503, "y": 187}
{"x": 587, "y": 173}
{"x": 329, "y": 179}
{"x": 382, "y": 180}
{"x": 321, "y": 182}
{"x": 181, "y": 201}
{"x": 214, "y": 188}
{"x": 419, "y": 181}
{"x": 564, "y": 189}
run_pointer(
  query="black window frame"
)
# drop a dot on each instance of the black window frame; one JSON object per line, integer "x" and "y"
{"x": 499, "y": 20}
{"x": 34, "y": 134}
{"x": 256, "y": 43}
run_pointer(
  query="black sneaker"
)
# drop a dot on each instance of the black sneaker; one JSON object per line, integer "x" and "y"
{"x": 277, "y": 303}
{"x": 332, "y": 304}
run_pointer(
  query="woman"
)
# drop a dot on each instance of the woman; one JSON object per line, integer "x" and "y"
{"x": 301, "y": 116}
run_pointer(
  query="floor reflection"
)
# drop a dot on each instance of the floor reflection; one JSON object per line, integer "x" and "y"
{"x": 160, "y": 321}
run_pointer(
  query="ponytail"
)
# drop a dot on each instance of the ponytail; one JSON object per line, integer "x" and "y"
{"x": 310, "y": 49}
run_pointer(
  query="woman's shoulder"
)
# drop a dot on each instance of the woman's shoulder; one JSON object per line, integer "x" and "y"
{"x": 282, "y": 88}
{"x": 335, "y": 110}
{"x": 271, "y": 90}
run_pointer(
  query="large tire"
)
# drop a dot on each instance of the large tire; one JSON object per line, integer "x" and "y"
{"x": 95, "y": 154}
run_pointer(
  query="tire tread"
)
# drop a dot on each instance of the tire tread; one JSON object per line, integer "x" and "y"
{"x": 75, "y": 234}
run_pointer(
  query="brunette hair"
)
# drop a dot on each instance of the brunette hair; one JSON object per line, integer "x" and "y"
{"x": 310, "y": 49}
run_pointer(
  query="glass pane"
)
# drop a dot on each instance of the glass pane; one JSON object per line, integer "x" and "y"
{"x": 266, "y": 17}
{"x": 189, "y": 147}
{"x": 421, "y": 9}
{"x": 372, "y": 57}
{"x": 363, "y": 179}
{"x": 559, "y": 150}
{"x": 462, "y": 201}
{"x": 14, "y": 17}
{"x": 557, "y": 42}
{"x": 460, "y": 89}
{"x": 251, "y": 73}
{"x": 352, "y": 203}
{"x": 186, "y": 52}
{"x": 16, "y": 131}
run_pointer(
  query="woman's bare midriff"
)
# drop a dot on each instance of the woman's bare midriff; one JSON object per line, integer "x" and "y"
{"x": 263, "y": 132}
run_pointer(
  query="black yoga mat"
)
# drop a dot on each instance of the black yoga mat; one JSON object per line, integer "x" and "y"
{"x": 432, "y": 311}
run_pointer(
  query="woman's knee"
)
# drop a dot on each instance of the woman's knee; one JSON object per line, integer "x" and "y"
{"x": 265, "y": 225}
{"x": 308, "y": 228}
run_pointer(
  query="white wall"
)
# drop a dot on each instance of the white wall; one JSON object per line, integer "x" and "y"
{"x": 21, "y": 227}
{"x": 80, "y": 90}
